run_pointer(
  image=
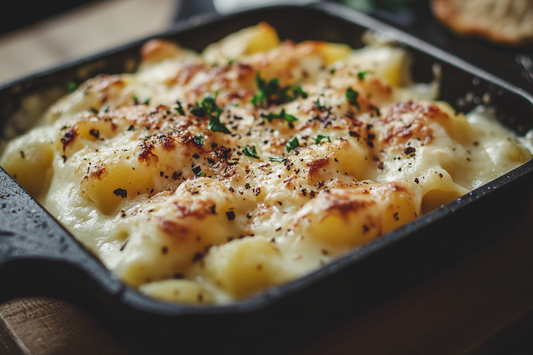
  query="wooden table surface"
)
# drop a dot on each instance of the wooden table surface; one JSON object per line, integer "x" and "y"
{"x": 480, "y": 304}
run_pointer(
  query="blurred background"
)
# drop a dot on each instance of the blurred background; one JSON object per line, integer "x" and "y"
{"x": 58, "y": 31}
{"x": 54, "y": 32}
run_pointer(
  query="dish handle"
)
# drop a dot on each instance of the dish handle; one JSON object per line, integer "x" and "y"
{"x": 37, "y": 255}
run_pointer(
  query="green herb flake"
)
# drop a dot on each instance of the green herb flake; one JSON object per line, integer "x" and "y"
{"x": 319, "y": 106}
{"x": 272, "y": 93}
{"x": 199, "y": 139}
{"x": 351, "y": 96}
{"x": 179, "y": 109}
{"x": 282, "y": 115}
{"x": 135, "y": 100}
{"x": 361, "y": 75}
{"x": 292, "y": 144}
{"x": 289, "y": 118}
{"x": 298, "y": 91}
{"x": 201, "y": 173}
{"x": 332, "y": 71}
{"x": 320, "y": 138}
{"x": 378, "y": 112}
{"x": 209, "y": 107}
{"x": 71, "y": 86}
{"x": 145, "y": 101}
{"x": 198, "y": 111}
{"x": 266, "y": 91}
{"x": 104, "y": 108}
{"x": 216, "y": 126}
{"x": 250, "y": 152}
{"x": 277, "y": 159}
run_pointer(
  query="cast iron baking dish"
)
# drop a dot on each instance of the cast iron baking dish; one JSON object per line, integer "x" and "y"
{"x": 37, "y": 256}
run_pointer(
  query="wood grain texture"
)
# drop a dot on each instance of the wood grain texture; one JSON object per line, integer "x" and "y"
{"x": 9, "y": 343}
{"x": 47, "y": 326}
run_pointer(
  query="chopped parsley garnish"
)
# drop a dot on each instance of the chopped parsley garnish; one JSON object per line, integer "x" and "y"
{"x": 179, "y": 109}
{"x": 282, "y": 115}
{"x": 71, "y": 86}
{"x": 198, "y": 111}
{"x": 201, "y": 173}
{"x": 267, "y": 91}
{"x": 199, "y": 139}
{"x": 209, "y": 107}
{"x": 146, "y": 101}
{"x": 361, "y": 75}
{"x": 216, "y": 126}
{"x": 277, "y": 159}
{"x": 292, "y": 144}
{"x": 210, "y": 104}
{"x": 351, "y": 96}
{"x": 250, "y": 152}
{"x": 320, "y": 138}
{"x": 272, "y": 93}
{"x": 332, "y": 71}
{"x": 378, "y": 112}
{"x": 105, "y": 108}
{"x": 298, "y": 91}
{"x": 319, "y": 106}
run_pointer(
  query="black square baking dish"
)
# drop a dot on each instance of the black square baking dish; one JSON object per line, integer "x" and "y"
{"x": 39, "y": 257}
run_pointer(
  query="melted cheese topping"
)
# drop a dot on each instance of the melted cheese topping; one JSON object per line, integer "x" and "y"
{"x": 139, "y": 169}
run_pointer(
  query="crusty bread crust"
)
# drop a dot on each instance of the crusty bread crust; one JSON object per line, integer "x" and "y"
{"x": 504, "y": 21}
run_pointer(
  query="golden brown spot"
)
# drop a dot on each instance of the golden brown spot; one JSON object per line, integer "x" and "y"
{"x": 187, "y": 139}
{"x": 148, "y": 118}
{"x": 187, "y": 72}
{"x": 158, "y": 49}
{"x": 378, "y": 90}
{"x": 316, "y": 165}
{"x": 147, "y": 153}
{"x": 244, "y": 71}
{"x": 167, "y": 142}
{"x": 409, "y": 119}
{"x": 344, "y": 205}
{"x": 101, "y": 85}
{"x": 172, "y": 228}
{"x": 394, "y": 186}
{"x": 420, "y": 110}
{"x": 98, "y": 173}
{"x": 201, "y": 209}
